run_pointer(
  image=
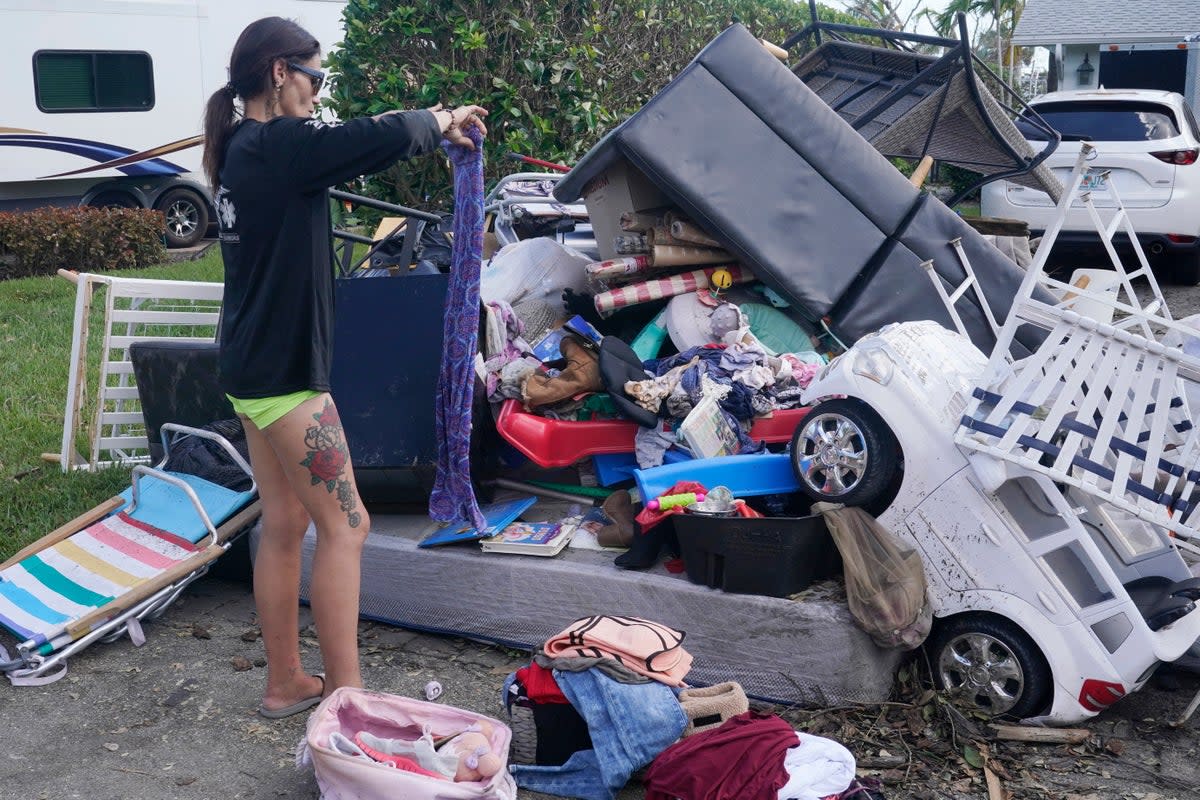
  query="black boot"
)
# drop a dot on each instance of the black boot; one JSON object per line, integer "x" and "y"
{"x": 645, "y": 548}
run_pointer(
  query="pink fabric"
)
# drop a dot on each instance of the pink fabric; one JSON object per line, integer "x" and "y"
{"x": 648, "y": 648}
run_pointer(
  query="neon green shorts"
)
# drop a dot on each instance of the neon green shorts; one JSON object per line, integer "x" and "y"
{"x": 262, "y": 411}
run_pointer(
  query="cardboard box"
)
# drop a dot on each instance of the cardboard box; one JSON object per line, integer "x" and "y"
{"x": 618, "y": 189}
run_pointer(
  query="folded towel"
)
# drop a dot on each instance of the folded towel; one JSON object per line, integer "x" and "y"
{"x": 646, "y": 647}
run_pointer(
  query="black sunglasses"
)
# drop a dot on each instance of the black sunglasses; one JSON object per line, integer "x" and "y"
{"x": 315, "y": 75}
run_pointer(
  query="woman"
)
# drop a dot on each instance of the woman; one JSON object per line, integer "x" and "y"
{"x": 271, "y": 166}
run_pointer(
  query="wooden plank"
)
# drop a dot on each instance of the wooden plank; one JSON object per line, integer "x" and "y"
{"x": 995, "y": 226}
{"x": 122, "y": 342}
{"x": 163, "y": 289}
{"x": 120, "y": 417}
{"x": 123, "y": 443}
{"x": 1027, "y": 733}
{"x": 195, "y": 317}
{"x": 121, "y": 393}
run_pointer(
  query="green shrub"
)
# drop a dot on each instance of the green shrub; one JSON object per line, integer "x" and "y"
{"x": 42, "y": 241}
{"x": 555, "y": 76}
{"x": 959, "y": 179}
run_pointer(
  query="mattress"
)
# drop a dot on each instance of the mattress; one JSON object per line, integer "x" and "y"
{"x": 805, "y": 652}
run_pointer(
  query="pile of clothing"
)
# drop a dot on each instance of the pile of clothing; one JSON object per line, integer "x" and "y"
{"x": 548, "y": 351}
{"x": 609, "y": 699}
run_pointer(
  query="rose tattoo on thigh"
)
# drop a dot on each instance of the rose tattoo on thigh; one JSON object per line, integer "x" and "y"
{"x": 328, "y": 457}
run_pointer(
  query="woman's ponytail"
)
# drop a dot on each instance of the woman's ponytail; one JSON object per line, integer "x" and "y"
{"x": 218, "y": 127}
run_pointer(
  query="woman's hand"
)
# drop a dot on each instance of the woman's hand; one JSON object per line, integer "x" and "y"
{"x": 455, "y": 121}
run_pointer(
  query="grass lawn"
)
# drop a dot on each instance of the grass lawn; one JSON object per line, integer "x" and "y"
{"x": 35, "y": 351}
{"x": 968, "y": 208}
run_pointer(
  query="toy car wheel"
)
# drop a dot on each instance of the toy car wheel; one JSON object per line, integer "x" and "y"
{"x": 990, "y": 663}
{"x": 844, "y": 453}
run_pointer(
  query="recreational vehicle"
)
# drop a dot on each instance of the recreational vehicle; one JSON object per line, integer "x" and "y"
{"x": 105, "y": 99}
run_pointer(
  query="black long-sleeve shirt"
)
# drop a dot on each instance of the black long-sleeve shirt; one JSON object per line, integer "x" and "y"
{"x": 273, "y": 213}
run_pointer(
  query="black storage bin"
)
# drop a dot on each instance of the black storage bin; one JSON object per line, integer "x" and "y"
{"x": 776, "y": 556}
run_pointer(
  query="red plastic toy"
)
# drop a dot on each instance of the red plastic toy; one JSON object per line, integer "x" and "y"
{"x": 560, "y": 443}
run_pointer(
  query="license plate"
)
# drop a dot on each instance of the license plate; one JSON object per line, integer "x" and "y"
{"x": 1093, "y": 183}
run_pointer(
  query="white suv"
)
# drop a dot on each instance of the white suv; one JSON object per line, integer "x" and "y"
{"x": 1149, "y": 142}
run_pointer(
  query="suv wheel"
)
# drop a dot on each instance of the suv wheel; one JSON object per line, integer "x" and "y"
{"x": 187, "y": 217}
{"x": 990, "y": 663}
{"x": 844, "y": 453}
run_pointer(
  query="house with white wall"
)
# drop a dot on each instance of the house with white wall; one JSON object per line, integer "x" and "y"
{"x": 1118, "y": 44}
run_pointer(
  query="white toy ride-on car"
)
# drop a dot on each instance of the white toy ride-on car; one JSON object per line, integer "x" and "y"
{"x": 1047, "y": 601}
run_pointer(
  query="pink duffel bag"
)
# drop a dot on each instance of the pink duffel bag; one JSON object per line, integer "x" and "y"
{"x": 347, "y": 713}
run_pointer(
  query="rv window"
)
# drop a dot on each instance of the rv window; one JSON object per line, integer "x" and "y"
{"x": 74, "y": 80}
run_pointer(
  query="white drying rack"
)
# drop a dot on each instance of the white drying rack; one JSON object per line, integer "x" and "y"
{"x": 135, "y": 309}
{"x": 1098, "y": 406}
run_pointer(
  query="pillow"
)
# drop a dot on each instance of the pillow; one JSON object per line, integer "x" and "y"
{"x": 619, "y": 364}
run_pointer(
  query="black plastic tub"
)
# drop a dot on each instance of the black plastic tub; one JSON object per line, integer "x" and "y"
{"x": 775, "y": 556}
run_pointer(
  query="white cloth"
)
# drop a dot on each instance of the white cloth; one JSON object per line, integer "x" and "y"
{"x": 817, "y": 768}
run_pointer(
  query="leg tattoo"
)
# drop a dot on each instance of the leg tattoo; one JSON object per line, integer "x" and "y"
{"x": 328, "y": 458}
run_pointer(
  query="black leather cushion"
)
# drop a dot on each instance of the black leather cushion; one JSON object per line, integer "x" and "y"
{"x": 735, "y": 131}
{"x": 619, "y": 364}
{"x": 177, "y": 382}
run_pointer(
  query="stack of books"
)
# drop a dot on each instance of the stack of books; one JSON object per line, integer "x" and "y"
{"x": 530, "y": 538}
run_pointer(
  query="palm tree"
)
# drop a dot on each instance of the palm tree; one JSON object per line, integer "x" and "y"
{"x": 880, "y": 13}
{"x": 1004, "y": 15}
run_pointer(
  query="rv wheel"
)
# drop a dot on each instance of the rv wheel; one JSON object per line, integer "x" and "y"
{"x": 187, "y": 217}
{"x": 844, "y": 453}
{"x": 990, "y": 663}
{"x": 114, "y": 200}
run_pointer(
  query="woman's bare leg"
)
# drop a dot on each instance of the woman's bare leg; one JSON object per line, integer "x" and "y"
{"x": 310, "y": 446}
{"x": 277, "y": 576}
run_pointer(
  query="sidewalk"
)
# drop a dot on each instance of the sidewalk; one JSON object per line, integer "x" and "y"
{"x": 176, "y": 717}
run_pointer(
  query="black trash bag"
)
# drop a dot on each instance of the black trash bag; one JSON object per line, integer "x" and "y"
{"x": 206, "y": 459}
{"x": 433, "y": 246}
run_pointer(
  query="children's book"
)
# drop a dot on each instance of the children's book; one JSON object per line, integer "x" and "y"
{"x": 584, "y": 537}
{"x": 530, "y": 538}
{"x": 496, "y": 515}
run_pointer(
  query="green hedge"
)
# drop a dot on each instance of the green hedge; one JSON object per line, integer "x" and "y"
{"x": 554, "y": 75}
{"x": 42, "y": 241}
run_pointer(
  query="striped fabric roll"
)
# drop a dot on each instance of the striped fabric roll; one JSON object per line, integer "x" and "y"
{"x": 46, "y": 591}
{"x": 683, "y": 283}
{"x": 618, "y": 267}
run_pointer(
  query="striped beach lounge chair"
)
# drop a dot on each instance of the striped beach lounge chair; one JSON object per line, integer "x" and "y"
{"x": 98, "y": 576}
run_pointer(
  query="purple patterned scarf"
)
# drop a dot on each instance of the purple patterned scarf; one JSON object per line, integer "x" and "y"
{"x": 453, "y": 496}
